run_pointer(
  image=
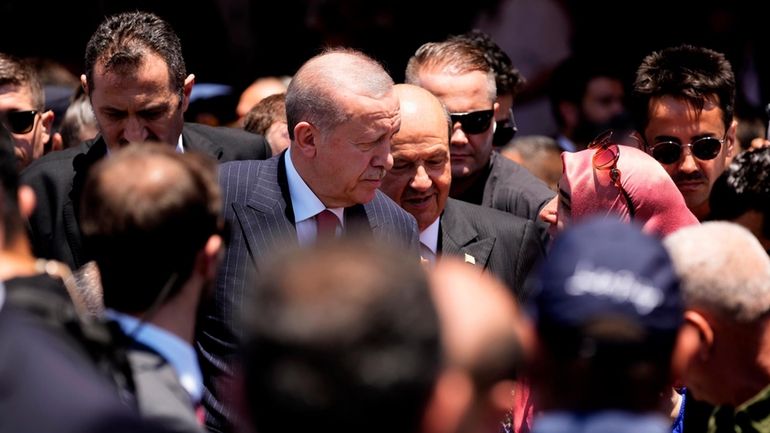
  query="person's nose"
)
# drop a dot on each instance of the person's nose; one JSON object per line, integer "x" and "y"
{"x": 421, "y": 181}
{"x": 458, "y": 138}
{"x": 135, "y": 130}
{"x": 687, "y": 163}
{"x": 382, "y": 157}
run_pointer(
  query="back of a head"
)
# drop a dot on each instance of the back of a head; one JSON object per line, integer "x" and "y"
{"x": 723, "y": 269}
{"x": 685, "y": 72}
{"x": 146, "y": 212}
{"x": 122, "y": 41}
{"x": 342, "y": 336}
{"x": 744, "y": 186}
{"x": 607, "y": 308}
{"x": 79, "y": 123}
{"x": 313, "y": 93}
{"x": 452, "y": 56}
{"x": 18, "y": 73}
{"x": 480, "y": 322}
{"x": 266, "y": 112}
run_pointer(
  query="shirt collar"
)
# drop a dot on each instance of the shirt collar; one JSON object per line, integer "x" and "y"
{"x": 429, "y": 236}
{"x": 173, "y": 349}
{"x": 305, "y": 203}
{"x": 2, "y": 295}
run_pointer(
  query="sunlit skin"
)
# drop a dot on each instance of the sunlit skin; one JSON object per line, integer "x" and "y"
{"x": 421, "y": 175}
{"x": 31, "y": 145}
{"x": 676, "y": 120}
{"x": 139, "y": 106}
{"x": 345, "y": 166}
{"x": 463, "y": 93}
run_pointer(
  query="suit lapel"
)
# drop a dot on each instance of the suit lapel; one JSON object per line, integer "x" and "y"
{"x": 81, "y": 165}
{"x": 459, "y": 237}
{"x": 267, "y": 217}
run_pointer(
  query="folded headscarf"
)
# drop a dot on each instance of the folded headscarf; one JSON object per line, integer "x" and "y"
{"x": 660, "y": 207}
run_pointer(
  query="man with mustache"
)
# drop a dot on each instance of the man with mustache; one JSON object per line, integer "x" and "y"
{"x": 342, "y": 113}
{"x": 684, "y": 101}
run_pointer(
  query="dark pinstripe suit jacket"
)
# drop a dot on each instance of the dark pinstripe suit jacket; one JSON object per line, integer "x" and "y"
{"x": 257, "y": 206}
{"x": 501, "y": 243}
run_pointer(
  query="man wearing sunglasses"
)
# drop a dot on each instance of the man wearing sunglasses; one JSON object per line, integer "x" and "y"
{"x": 684, "y": 99}
{"x": 136, "y": 80}
{"x": 458, "y": 73}
{"x": 22, "y": 109}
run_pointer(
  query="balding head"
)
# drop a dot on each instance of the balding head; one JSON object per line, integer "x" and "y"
{"x": 723, "y": 269}
{"x": 421, "y": 175}
{"x": 260, "y": 89}
{"x": 480, "y": 321}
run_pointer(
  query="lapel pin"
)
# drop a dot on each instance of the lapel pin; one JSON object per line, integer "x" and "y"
{"x": 470, "y": 259}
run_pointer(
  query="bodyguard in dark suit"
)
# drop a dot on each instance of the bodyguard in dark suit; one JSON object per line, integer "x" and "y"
{"x": 342, "y": 113}
{"x": 458, "y": 73}
{"x": 498, "y": 242}
{"x": 139, "y": 88}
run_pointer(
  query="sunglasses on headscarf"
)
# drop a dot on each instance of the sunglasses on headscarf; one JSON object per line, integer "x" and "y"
{"x": 607, "y": 152}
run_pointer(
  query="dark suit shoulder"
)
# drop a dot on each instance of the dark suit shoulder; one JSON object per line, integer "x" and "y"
{"x": 515, "y": 189}
{"x": 225, "y": 143}
{"x": 55, "y": 165}
{"x": 487, "y": 220}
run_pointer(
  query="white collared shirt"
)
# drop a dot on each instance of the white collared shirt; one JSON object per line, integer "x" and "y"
{"x": 177, "y": 352}
{"x": 429, "y": 241}
{"x": 306, "y": 205}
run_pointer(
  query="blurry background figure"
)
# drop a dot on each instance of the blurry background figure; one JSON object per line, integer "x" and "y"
{"x": 211, "y": 104}
{"x": 725, "y": 282}
{"x": 59, "y": 87}
{"x": 508, "y": 80}
{"x": 341, "y": 337}
{"x": 483, "y": 335}
{"x": 79, "y": 123}
{"x": 741, "y": 194}
{"x": 607, "y": 311}
{"x": 258, "y": 90}
{"x": 587, "y": 98}
{"x": 22, "y": 109}
{"x": 752, "y": 131}
{"x": 268, "y": 118}
{"x": 539, "y": 154}
{"x": 536, "y": 35}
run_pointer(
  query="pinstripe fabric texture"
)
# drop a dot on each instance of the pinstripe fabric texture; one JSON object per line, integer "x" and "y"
{"x": 258, "y": 210}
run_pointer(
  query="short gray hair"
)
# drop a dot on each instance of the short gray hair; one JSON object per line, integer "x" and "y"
{"x": 723, "y": 268}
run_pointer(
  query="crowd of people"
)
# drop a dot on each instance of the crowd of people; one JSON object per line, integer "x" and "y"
{"x": 355, "y": 254}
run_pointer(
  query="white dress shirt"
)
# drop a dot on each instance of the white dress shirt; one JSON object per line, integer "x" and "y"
{"x": 306, "y": 206}
{"x": 429, "y": 242}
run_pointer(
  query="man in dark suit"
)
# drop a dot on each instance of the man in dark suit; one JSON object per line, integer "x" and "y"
{"x": 342, "y": 113}
{"x": 457, "y": 72}
{"x": 139, "y": 88}
{"x": 503, "y": 244}
{"x": 149, "y": 201}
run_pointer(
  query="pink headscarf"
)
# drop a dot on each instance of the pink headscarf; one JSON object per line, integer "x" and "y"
{"x": 660, "y": 207}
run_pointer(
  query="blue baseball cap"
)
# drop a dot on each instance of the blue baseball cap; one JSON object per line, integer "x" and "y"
{"x": 604, "y": 269}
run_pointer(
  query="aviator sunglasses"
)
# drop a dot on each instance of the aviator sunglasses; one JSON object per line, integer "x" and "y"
{"x": 669, "y": 152}
{"x": 607, "y": 145}
{"x": 19, "y": 122}
{"x": 474, "y": 122}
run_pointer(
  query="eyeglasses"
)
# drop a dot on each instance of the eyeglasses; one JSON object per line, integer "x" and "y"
{"x": 505, "y": 131}
{"x": 669, "y": 152}
{"x": 474, "y": 122}
{"x": 606, "y": 158}
{"x": 19, "y": 122}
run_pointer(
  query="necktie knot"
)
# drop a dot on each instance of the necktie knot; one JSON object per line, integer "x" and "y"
{"x": 327, "y": 223}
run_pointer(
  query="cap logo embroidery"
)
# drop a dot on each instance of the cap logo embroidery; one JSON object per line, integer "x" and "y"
{"x": 620, "y": 286}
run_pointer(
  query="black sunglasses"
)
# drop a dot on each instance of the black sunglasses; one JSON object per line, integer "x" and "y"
{"x": 19, "y": 122}
{"x": 607, "y": 145}
{"x": 474, "y": 122}
{"x": 505, "y": 131}
{"x": 669, "y": 152}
